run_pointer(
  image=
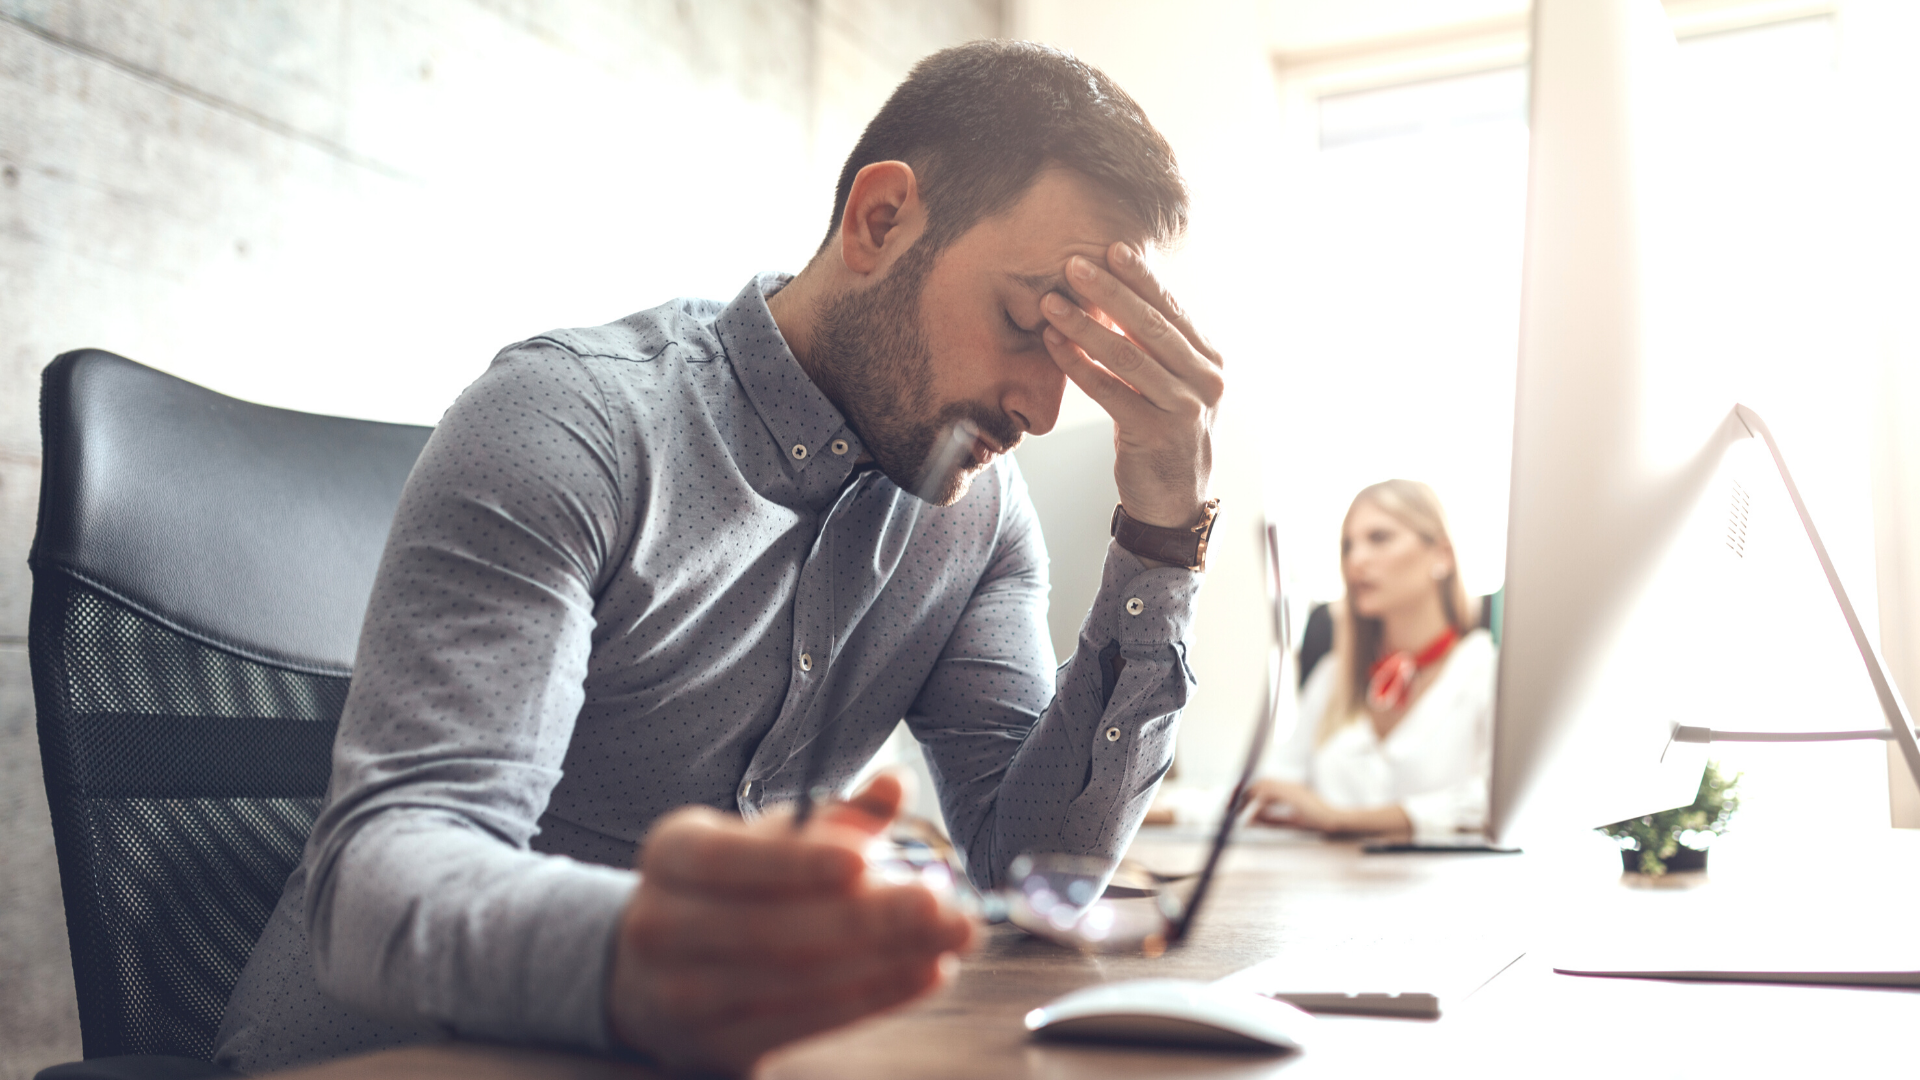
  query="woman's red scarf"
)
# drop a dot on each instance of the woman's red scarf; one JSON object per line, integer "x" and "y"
{"x": 1392, "y": 677}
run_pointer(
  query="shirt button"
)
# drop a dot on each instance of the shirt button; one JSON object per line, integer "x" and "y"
{"x": 1113, "y": 734}
{"x": 799, "y": 452}
{"x": 1136, "y": 605}
{"x": 806, "y": 661}
{"x": 839, "y": 446}
{"x": 746, "y": 789}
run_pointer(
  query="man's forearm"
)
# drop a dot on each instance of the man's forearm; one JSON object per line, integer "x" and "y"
{"x": 423, "y": 919}
{"x": 1083, "y": 778}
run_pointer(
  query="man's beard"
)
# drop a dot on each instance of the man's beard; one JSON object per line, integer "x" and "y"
{"x": 870, "y": 357}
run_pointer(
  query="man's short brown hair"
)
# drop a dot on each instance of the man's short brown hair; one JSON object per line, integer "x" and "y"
{"x": 979, "y": 122}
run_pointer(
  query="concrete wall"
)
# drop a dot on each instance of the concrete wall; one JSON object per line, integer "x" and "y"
{"x": 348, "y": 207}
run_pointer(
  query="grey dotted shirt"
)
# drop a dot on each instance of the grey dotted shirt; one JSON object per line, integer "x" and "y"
{"x": 636, "y": 568}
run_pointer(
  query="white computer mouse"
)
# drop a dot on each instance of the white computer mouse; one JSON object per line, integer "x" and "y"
{"x": 1178, "y": 1012}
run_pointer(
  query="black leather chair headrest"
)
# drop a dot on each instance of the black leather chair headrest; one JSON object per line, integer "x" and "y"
{"x": 250, "y": 528}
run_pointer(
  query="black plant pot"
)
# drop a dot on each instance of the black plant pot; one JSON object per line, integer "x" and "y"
{"x": 1683, "y": 858}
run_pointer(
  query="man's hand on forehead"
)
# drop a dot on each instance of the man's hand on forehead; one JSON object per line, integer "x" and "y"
{"x": 1122, "y": 338}
{"x": 1042, "y": 284}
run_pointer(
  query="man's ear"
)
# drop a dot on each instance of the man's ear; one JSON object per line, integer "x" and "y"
{"x": 883, "y": 216}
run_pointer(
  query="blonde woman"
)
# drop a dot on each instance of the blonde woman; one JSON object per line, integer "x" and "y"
{"x": 1395, "y": 729}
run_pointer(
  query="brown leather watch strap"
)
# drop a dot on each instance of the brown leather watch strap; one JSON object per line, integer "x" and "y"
{"x": 1181, "y": 547}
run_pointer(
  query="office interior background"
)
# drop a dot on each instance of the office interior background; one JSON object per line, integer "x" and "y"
{"x": 348, "y": 207}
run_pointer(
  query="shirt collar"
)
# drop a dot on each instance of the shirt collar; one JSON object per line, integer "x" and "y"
{"x": 807, "y": 428}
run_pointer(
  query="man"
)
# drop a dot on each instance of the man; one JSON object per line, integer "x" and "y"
{"x": 705, "y": 555}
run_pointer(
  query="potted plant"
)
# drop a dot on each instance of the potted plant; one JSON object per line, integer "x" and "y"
{"x": 1678, "y": 839}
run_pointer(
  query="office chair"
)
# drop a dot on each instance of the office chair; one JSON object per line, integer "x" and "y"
{"x": 200, "y": 572}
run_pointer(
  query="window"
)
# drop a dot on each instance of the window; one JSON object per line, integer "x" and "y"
{"x": 1399, "y": 286}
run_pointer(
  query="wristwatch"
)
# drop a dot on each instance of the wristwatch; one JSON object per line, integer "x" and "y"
{"x": 1181, "y": 547}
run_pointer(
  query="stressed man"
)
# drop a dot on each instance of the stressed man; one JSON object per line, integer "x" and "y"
{"x": 650, "y": 580}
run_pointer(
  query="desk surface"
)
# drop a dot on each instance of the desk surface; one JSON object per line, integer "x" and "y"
{"x": 1325, "y": 914}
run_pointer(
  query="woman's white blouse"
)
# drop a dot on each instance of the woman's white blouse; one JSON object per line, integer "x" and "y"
{"x": 1434, "y": 764}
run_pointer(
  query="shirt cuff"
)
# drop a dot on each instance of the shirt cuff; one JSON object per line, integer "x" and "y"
{"x": 1141, "y": 606}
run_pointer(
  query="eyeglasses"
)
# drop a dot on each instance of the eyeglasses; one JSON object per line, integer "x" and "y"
{"x": 1074, "y": 900}
{"x": 1085, "y": 902}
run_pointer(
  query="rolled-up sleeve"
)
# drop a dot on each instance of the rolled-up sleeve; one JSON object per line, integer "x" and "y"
{"x": 424, "y": 901}
{"x": 1033, "y": 760}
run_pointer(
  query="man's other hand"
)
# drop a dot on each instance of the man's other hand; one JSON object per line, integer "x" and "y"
{"x": 743, "y": 936}
{"x": 1133, "y": 350}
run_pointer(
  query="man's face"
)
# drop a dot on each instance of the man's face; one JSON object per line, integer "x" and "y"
{"x": 939, "y": 365}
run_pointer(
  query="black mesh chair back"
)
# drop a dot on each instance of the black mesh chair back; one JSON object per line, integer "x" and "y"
{"x": 200, "y": 572}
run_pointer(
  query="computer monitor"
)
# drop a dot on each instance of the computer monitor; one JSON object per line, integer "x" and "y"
{"x": 1626, "y": 522}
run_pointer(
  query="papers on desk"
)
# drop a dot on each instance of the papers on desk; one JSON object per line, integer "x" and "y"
{"x": 1799, "y": 954}
{"x": 1757, "y": 920}
{"x": 1752, "y": 971}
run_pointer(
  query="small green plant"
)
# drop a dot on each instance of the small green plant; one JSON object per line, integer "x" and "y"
{"x": 1657, "y": 836}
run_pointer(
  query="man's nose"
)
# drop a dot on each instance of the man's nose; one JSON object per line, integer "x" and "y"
{"x": 1033, "y": 395}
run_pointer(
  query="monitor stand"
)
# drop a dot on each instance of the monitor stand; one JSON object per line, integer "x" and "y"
{"x": 1899, "y": 724}
{"x": 1870, "y": 964}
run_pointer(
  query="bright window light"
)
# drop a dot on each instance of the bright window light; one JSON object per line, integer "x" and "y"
{"x": 1399, "y": 285}
{"x": 1399, "y": 299}
{"x": 1486, "y": 97}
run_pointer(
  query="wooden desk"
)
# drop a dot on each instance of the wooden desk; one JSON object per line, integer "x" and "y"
{"x": 1322, "y": 909}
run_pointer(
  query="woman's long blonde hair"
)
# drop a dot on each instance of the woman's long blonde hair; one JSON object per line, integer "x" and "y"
{"x": 1356, "y": 640}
